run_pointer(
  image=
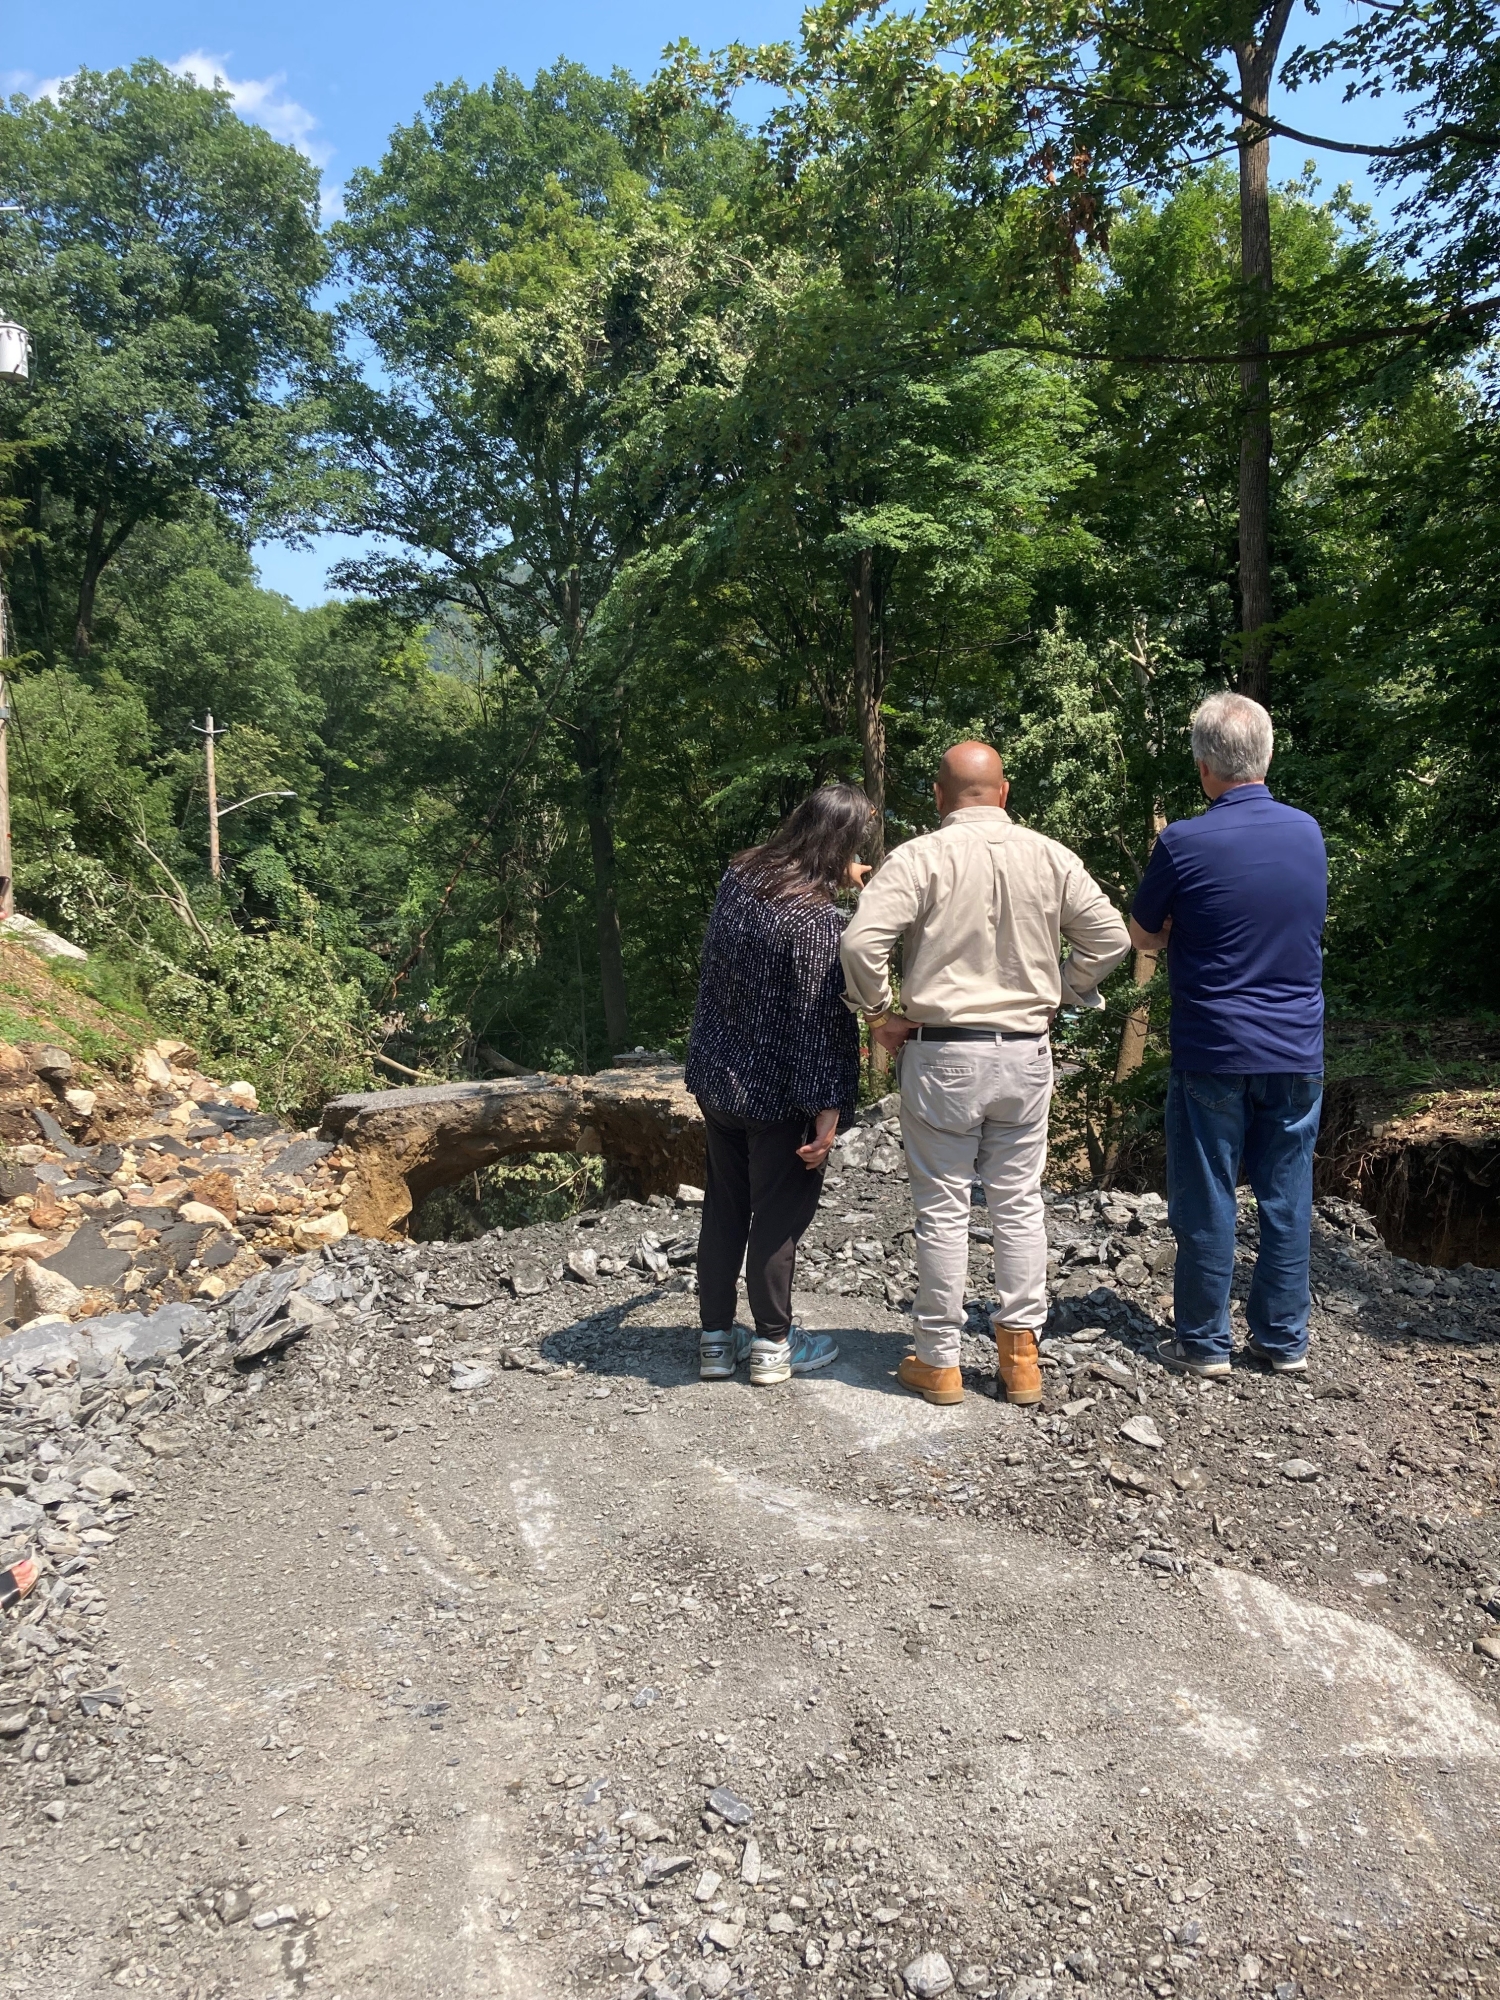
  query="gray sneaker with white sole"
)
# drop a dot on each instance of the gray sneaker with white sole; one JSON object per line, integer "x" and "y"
{"x": 773, "y": 1361}
{"x": 721, "y": 1352}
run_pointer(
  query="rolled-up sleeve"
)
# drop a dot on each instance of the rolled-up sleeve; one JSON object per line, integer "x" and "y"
{"x": 1096, "y": 933}
{"x": 889, "y": 902}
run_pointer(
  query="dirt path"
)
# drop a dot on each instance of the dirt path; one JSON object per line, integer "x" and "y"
{"x": 440, "y": 1707}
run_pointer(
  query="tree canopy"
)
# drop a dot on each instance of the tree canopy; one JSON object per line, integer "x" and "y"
{"x": 989, "y": 386}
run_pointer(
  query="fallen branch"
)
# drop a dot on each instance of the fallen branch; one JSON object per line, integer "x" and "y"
{"x": 417, "y": 1075}
{"x": 177, "y": 901}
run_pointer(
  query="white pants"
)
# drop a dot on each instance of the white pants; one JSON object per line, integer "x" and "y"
{"x": 967, "y": 1108}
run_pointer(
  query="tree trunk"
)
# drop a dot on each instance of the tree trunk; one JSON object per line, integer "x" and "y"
{"x": 98, "y": 554}
{"x": 1137, "y": 1026}
{"x": 595, "y": 764}
{"x": 869, "y": 692}
{"x": 1257, "y": 63}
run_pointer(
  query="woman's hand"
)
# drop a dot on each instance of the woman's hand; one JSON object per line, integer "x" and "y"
{"x": 815, "y": 1153}
{"x": 857, "y": 874}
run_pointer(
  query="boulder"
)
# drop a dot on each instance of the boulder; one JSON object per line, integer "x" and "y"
{"x": 200, "y": 1212}
{"x": 313, "y": 1230}
{"x": 398, "y": 1145}
{"x": 42, "y": 1292}
{"x": 153, "y": 1070}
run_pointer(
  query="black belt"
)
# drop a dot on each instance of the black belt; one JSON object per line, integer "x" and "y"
{"x": 927, "y": 1034}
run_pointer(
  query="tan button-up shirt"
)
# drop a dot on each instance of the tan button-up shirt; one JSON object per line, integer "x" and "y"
{"x": 983, "y": 906}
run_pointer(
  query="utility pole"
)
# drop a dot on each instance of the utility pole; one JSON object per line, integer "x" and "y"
{"x": 208, "y": 733}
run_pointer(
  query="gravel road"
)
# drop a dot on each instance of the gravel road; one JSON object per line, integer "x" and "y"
{"x": 471, "y": 1646}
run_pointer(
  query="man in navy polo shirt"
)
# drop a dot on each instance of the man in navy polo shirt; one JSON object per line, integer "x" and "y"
{"x": 1237, "y": 897}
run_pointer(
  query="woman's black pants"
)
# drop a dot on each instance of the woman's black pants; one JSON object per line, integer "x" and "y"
{"x": 757, "y": 1206}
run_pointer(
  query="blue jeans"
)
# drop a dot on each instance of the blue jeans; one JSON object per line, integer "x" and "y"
{"x": 1215, "y": 1123}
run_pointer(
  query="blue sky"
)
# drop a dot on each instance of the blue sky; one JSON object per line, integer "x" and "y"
{"x": 333, "y": 78}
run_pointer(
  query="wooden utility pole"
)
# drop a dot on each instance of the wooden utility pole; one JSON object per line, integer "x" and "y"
{"x": 208, "y": 733}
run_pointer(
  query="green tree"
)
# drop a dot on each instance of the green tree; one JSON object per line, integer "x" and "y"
{"x": 165, "y": 263}
{"x": 534, "y": 283}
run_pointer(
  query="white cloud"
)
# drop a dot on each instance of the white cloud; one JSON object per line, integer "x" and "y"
{"x": 260, "y": 99}
{"x": 29, "y": 84}
{"x": 264, "y": 102}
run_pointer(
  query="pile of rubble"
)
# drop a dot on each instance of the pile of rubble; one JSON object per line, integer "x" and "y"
{"x": 174, "y": 1188}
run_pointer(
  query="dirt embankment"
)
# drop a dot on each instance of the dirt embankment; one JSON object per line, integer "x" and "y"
{"x": 1411, "y": 1131}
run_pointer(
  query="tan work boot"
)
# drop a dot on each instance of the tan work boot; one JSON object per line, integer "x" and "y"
{"x": 935, "y": 1385}
{"x": 1018, "y": 1363}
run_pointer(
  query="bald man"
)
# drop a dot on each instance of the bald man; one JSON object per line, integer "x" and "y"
{"x": 981, "y": 907}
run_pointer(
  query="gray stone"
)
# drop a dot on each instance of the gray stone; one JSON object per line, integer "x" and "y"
{"x": 95, "y": 1700}
{"x": 465, "y": 1376}
{"x": 1301, "y": 1470}
{"x": 54, "y": 1134}
{"x": 583, "y": 1264}
{"x": 527, "y": 1279}
{"x": 928, "y": 1975}
{"x": 666, "y": 1865}
{"x": 1142, "y": 1430}
{"x": 104, "y": 1482}
{"x": 17, "y": 1515}
{"x": 305, "y": 1311}
{"x": 15, "y": 1722}
{"x": 1083, "y": 1964}
{"x": 1131, "y": 1271}
{"x": 88, "y": 1261}
{"x": 164, "y": 1333}
{"x": 649, "y": 1256}
{"x": 298, "y": 1157}
{"x": 729, "y": 1806}
{"x": 1106, "y": 1369}
{"x": 260, "y": 1298}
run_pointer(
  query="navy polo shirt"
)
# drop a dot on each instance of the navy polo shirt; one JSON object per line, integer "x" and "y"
{"x": 1246, "y": 887}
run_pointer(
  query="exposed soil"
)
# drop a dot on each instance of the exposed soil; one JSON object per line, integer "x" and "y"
{"x": 1411, "y": 1131}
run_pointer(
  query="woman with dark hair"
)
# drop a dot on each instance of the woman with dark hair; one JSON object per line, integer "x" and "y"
{"x": 774, "y": 1064}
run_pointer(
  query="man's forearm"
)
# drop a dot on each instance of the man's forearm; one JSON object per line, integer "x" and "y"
{"x": 1098, "y": 941}
{"x": 866, "y": 955}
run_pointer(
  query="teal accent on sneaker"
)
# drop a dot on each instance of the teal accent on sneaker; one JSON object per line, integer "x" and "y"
{"x": 801, "y": 1353}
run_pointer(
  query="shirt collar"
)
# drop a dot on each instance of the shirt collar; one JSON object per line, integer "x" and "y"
{"x": 966, "y": 813}
{"x": 1257, "y": 791}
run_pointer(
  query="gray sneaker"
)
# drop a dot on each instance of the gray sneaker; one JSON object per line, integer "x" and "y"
{"x": 1279, "y": 1364}
{"x": 773, "y": 1361}
{"x": 720, "y": 1353}
{"x": 1182, "y": 1361}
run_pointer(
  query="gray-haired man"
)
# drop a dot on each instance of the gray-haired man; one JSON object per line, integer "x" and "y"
{"x": 1238, "y": 897}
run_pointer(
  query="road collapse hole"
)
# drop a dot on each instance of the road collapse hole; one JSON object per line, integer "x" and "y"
{"x": 1431, "y": 1183}
{"x": 510, "y": 1194}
